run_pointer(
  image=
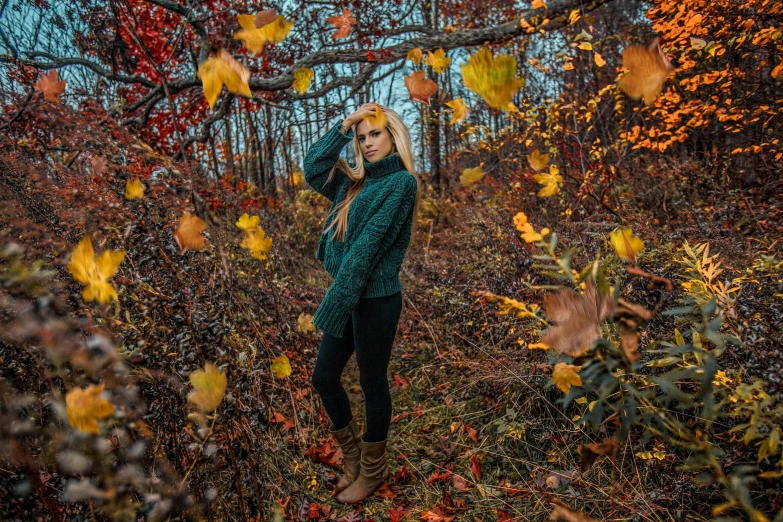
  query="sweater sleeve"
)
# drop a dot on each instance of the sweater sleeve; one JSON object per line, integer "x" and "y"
{"x": 357, "y": 265}
{"x": 321, "y": 157}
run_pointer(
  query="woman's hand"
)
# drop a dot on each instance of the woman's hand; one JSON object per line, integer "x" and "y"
{"x": 367, "y": 109}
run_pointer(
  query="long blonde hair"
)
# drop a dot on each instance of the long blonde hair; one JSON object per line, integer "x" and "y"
{"x": 357, "y": 175}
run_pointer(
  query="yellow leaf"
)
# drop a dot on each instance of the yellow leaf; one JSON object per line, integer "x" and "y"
{"x": 564, "y": 376}
{"x": 305, "y": 323}
{"x": 247, "y": 222}
{"x": 470, "y": 176}
{"x": 537, "y": 4}
{"x": 777, "y": 71}
{"x": 537, "y": 160}
{"x": 378, "y": 120}
{"x": 95, "y": 272}
{"x": 625, "y": 243}
{"x": 209, "y": 386}
{"x": 538, "y": 346}
{"x": 255, "y": 39}
{"x": 460, "y": 110}
{"x": 258, "y": 245}
{"x": 189, "y": 233}
{"x": 586, "y": 46}
{"x": 492, "y": 77}
{"x": 697, "y": 43}
{"x": 528, "y": 232}
{"x": 599, "y": 60}
{"x": 415, "y": 55}
{"x": 438, "y": 60}
{"x": 551, "y": 181}
{"x": 574, "y": 16}
{"x": 281, "y": 367}
{"x": 85, "y": 406}
{"x": 568, "y": 66}
{"x": 134, "y": 189}
{"x": 222, "y": 69}
{"x": 302, "y": 79}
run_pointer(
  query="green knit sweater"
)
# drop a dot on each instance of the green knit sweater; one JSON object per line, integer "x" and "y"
{"x": 367, "y": 263}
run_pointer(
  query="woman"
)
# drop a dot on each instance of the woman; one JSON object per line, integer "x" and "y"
{"x": 374, "y": 204}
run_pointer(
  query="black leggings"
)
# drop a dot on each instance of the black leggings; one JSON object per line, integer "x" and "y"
{"x": 370, "y": 331}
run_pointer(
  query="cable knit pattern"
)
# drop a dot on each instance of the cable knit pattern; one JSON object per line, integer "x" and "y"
{"x": 367, "y": 263}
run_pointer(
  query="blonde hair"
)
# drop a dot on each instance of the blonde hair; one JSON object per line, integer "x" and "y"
{"x": 357, "y": 175}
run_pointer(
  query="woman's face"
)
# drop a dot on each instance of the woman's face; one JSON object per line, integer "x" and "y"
{"x": 375, "y": 142}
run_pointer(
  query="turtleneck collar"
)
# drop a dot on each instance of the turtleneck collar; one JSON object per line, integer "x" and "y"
{"x": 384, "y": 166}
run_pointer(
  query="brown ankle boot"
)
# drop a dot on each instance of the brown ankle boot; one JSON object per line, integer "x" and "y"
{"x": 373, "y": 472}
{"x": 350, "y": 441}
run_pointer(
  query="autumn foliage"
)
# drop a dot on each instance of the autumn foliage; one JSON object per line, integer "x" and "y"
{"x": 591, "y": 321}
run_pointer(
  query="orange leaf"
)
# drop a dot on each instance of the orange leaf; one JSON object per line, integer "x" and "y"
{"x": 343, "y": 24}
{"x": 50, "y": 85}
{"x": 419, "y": 87}
{"x": 265, "y": 18}
{"x": 189, "y": 233}
{"x": 648, "y": 68}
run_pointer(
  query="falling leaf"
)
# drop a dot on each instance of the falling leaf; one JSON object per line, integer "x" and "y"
{"x": 564, "y": 376}
{"x": 599, "y": 60}
{"x": 562, "y": 513}
{"x": 222, "y": 69}
{"x": 265, "y": 18}
{"x": 419, "y": 87}
{"x": 697, "y": 43}
{"x": 460, "y": 110}
{"x": 85, "y": 406}
{"x": 625, "y": 243}
{"x": 537, "y": 4}
{"x": 437, "y": 60}
{"x": 189, "y": 233}
{"x": 247, "y": 222}
{"x": 99, "y": 165}
{"x": 255, "y": 38}
{"x": 648, "y": 69}
{"x": 589, "y": 453}
{"x": 630, "y": 317}
{"x": 343, "y": 24}
{"x": 281, "y": 367}
{"x": 134, "y": 189}
{"x": 537, "y": 160}
{"x": 258, "y": 245}
{"x": 415, "y": 55}
{"x": 378, "y": 120}
{"x": 551, "y": 181}
{"x": 528, "y": 232}
{"x": 95, "y": 272}
{"x": 578, "y": 318}
{"x": 302, "y": 79}
{"x": 209, "y": 386}
{"x": 305, "y": 323}
{"x": 50, "y": 86}
{"x": 583, "y": 36}
{"x": 471, "y": 176}
{"x": 492, "y": 77}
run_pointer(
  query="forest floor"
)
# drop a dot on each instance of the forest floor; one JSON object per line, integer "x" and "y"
{"x": 477, "y": 433}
